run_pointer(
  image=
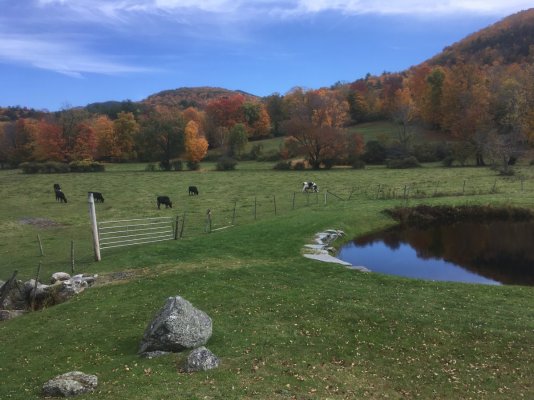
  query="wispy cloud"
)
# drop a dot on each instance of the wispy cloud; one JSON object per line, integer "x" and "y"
{"x": 64, "y": 58}
{"x": 245, "y": 9}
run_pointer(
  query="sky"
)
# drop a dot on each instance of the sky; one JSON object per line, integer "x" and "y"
{"x": 56, "y": 54}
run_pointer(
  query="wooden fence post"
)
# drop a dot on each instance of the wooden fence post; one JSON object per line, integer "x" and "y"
{"x": 72, "y": 256}
{"x": 208, "y": 221}
{"x": 35, "y": 286}
{"x": 40, "y": 245}
{"x": 176, "y": 223}
{"x": 94, "y": 227}
{"x": 182, "y": 227}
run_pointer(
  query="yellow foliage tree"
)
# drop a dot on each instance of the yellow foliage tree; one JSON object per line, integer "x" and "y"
{"x": 196, "y": 146}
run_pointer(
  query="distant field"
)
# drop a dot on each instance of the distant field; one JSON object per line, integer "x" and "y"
{"x": 284, "y": 326}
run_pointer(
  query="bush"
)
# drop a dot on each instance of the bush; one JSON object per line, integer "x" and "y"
{"x": 49, "y": 167}
{"x": 272, "y": 155}
{"x": 165, "y": 165}
{"x": 150, "y": 168}
{"x": 448, "y": 161}
{"x": 177, "y": 165}
{"x": 299, "y": 166}
{"x": 400, "y": 163}
{"x": 226, "y": 164}
{"x": 429, "y": 152}
{"x": 193, "y": 165}
{"x": 531, "y": 162}
{"x": 282, "y": 165}
{"x": 86, "y": 166}
{"x": 375, "y": 152}
{"x": 358, "y": 164}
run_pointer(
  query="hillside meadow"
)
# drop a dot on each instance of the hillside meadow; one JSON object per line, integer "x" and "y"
{"x": 285, "y": 327}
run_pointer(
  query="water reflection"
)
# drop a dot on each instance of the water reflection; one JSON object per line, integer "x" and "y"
{"x": 490, "y": 253}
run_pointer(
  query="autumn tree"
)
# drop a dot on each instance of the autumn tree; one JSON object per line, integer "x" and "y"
{"x": 315, "y": 119}
{"x": 107, "y": 147}
{"x": 196, "y": 146}
{"x": 278, "y": 112}
{"x": 69, "y": 119}
{"x": 86, "y": 143}
{"x": 48, "y": 142}
{"x": 18, "y": 140}
{"x": 237, "y": 140}
{"x": 125, "y": 129}
{"x": 162, "y": 135}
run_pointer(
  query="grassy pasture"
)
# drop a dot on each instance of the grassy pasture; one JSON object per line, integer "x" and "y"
{"x": 284, "y": 326}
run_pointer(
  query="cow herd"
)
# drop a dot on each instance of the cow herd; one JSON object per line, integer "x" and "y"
{"x": 307, "y": 187}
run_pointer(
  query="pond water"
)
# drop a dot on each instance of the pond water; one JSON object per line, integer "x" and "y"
{"x": 495, "y": 253}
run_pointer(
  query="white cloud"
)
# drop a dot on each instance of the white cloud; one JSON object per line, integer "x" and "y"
{"x": 243, "y": 9}
{"x": 64, "y": 58}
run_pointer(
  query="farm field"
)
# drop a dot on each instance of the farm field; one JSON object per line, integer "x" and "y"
{"x": 284, "y": 326}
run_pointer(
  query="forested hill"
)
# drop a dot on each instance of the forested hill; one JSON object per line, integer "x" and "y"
{"x": 509, "y": 41}
{"x": 197, "y": 97}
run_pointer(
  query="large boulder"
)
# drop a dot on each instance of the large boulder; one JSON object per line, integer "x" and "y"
{"x": 70, "y": 384}
{"x": 177, "y": 326}
{"x": 201, "y": 359}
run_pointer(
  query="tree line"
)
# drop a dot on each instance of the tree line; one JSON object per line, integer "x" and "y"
{"x": 483, "y": 110}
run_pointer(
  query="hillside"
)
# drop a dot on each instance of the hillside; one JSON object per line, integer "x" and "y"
{"x": 197, "y": 97}
{"x": 508, "y": 41}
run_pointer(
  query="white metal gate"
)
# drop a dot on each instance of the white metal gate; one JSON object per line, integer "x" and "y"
{"x": 129, "y": 232}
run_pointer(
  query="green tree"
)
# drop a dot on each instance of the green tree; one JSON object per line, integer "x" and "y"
{"x": 237, "y": 140}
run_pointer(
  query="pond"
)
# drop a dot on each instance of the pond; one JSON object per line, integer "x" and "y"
{"x": 499, "y": 252}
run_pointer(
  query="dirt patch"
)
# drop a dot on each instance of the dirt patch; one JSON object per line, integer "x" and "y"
{"x": 40, "y": 222}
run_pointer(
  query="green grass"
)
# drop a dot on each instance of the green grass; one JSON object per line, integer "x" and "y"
{"x": 284, "y": 326}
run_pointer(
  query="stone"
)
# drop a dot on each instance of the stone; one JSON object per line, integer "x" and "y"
{"x": 70, "y": 384}
{"x": 13, "y": 296}
{"x": 59, "y": 276}
{"x": 10, "y": 314}
{"x": 154, "y": 354}
{"x": 177, "y": 326}
{"x": 201, "y": 359}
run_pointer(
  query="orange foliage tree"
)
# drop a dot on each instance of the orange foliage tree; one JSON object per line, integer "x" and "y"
{"x": 196, "y": 146}
{"x": 48, "y": 142}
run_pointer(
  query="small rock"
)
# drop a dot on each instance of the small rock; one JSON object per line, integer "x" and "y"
{"x": 154, "y": 354}
{"x": 70, "y": 384}
{"x": 10, "y": 314}
{"x": 201, "y": 359}
{"x": 59, "y": 276}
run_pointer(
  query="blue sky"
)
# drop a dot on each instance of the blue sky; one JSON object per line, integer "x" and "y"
{"x": 63, "y": 53}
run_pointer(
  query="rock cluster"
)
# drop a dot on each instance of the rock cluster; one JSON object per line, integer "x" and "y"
{"x": 322, "y": 247}
{"x": 179, "y": 326}
{"x": 17, "y": 297}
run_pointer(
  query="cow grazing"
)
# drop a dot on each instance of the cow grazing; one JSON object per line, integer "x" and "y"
{"x": 310, "y": 187}
{"x": 56, "y": 187}
{"x": 164, "y": 200}
{"x": 60, "y": 196}
{"x": 97, "y": 197}
{"x": 193, "y": 190}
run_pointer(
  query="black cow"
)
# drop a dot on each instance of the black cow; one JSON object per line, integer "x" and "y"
{"x": 56, "y": 187}
{"x": 193, "y": 190}
{"x": 97, "y": 197}
{"x": 60, "y": 196}
{"x": 164, "y": 200}
{"x": 310, "y": 187}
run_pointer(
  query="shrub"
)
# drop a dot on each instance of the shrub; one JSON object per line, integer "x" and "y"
{"x": 358, "y": 163}
{"x": 49, "y": 167}
{"x": 165, "y": 165}
{"x": 282, "y": 165}
{"x": 375, "y": 152}
{"x": 86, "y": 166}
{"x": 448, "y": 161}
{"x": 400, "y": 163}
{"x": 272, "y": 155}
{"x": 299, "y": 165}
{"x": 150, "y": 168}
{"x": 531, "y": 162}
{"x": 430, "y": 152}
{"x": 226, "y": 164}
{"x": 177, "y": 165}
{"x": 193, "y": 165}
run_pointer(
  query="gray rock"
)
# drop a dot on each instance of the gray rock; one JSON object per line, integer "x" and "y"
{"x": 177, "y": 326}
{"x": 10, "y": 314}
{"x": 59, "y": 276}
{"x": 70, "y": 384}
{"x": 13, "y": 296}
{"x": 201, "y": 359}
